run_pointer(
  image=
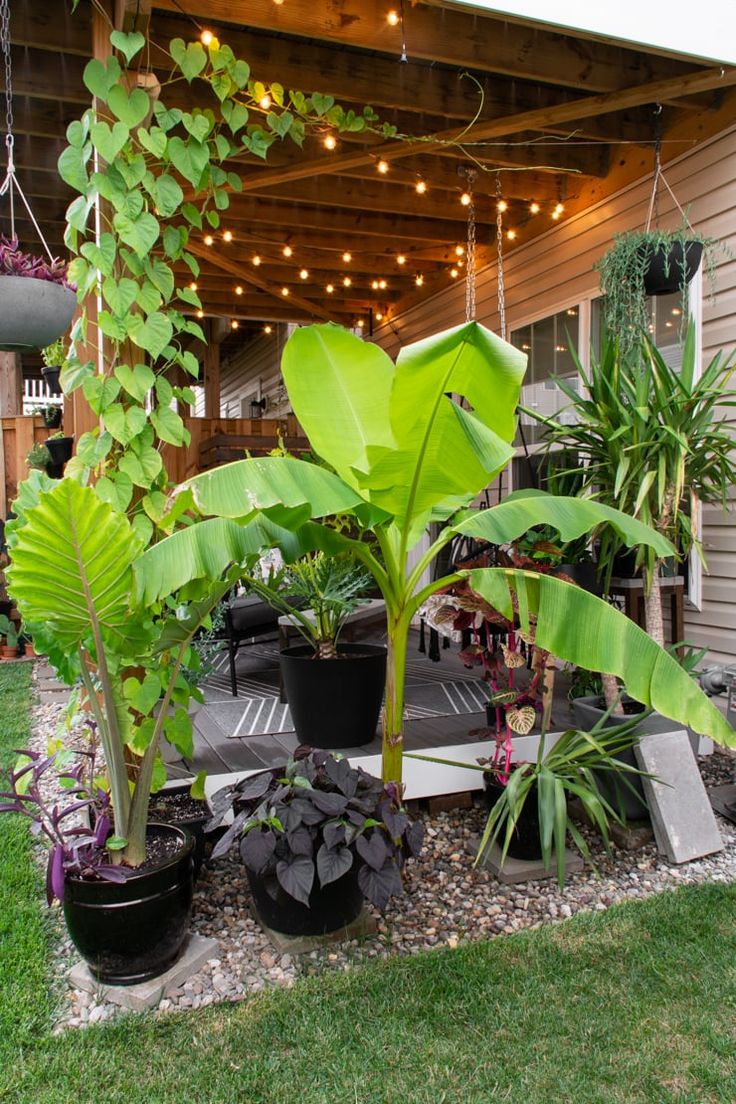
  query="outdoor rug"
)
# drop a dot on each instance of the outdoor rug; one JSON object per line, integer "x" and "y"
{"x": 431, "y": 691}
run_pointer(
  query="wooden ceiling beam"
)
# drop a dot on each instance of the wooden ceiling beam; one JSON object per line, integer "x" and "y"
{"x": 311, "y": 288}
{"x": 219, "y": 261}
{"x": 43, "y": 118}
{"x": 588, "y": 106}
{"x": 52, "y": 26}
{"x": 43, "y": 75}
{"x": 453, "y": 38}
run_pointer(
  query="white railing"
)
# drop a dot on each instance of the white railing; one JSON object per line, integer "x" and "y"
{"x": 36, "y": 393}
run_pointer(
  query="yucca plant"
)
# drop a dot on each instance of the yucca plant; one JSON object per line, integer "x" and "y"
{"x": 653, "y": 441}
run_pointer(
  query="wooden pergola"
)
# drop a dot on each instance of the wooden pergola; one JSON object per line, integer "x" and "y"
{"x": 556, "y": 120}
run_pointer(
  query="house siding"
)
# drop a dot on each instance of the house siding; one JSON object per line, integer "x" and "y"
{"x": 556, "y": 270}
{"x": 254, "y": 372}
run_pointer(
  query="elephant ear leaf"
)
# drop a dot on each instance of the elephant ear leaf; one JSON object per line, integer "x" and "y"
{"x": 582, "y": 629}
{"x": 72, "y": 569}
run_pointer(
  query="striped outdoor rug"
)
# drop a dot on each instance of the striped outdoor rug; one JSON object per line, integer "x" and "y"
{"x": 257, "y": 710}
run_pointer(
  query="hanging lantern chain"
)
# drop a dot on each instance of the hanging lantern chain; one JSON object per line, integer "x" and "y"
{"x": 470, "y": 252}
{"x": 499, "y": 249}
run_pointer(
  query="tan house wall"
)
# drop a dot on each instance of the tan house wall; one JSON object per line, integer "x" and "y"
{"x": 556, "y": 270}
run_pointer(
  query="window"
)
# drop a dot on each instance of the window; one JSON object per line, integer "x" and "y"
{"x": 548, "y": 344}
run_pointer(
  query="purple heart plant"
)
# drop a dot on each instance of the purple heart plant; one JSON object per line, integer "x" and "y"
{"x": 14, "y": 262}
{"x": 83, "y": 852}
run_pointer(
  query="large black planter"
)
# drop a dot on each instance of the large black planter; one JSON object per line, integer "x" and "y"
{"x": 335, "y": 703}
{"x": 60, "y": 450}
{"x": 129, "y": 932}
{"x": 33, "y": 313}
{"x": 670, "y": 270}
{"x": 193, "y": 824}
{"x": 333, "y": 907}
{"x": 525, "y": 842}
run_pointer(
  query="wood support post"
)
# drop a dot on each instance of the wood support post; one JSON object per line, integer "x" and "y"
{"x": 11, "y": 384}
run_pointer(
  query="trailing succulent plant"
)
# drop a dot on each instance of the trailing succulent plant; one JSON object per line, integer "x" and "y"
{"x": 309, "y": 822}
{"x": 14, "y": 262}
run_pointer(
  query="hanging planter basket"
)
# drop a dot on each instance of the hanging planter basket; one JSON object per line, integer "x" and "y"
{"x": 33, "y": 313}
{"x": 670, "y": 269}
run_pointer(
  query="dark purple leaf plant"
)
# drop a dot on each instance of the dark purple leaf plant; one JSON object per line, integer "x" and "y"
{"x": 14, "y": 262}
{"x": 309, "y": 822}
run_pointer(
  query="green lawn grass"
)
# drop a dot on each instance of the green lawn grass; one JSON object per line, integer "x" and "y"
{"x": 633, "y": 1006}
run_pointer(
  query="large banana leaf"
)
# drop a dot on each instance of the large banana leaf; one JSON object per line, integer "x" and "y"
{"x": 72, "y": 568}
{"x": 572, "y": 517}
{"x": 575, "y": 626}
{"x": 287, "y": 490}
{"x": 206, "y": 550}
{"x": 340, "y": 390}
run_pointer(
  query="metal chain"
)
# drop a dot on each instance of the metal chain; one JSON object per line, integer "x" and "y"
{"x": 499, "y": 252}
{"x": 5, "y": 40}
{"x": 470, "y": 253}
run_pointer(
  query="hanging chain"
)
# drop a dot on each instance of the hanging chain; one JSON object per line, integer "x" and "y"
{"x": 654, "y": 199}
{"x": 5, "y": 40}
{"x": 469, "y": 175}
{"x": 499, "y": 252}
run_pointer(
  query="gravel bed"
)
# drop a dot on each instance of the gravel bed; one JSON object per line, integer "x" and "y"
{"x": 446, "y": 903}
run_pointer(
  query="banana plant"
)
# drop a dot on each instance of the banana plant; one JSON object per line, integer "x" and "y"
{"x": 72, "y": 577}
{"x": 405, "y": 445}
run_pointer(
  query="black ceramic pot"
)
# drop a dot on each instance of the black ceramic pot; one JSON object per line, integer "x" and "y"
{"x": 60, "y": 450}
{"x": 51, "y": 376}
{"x": 193, "y": 824}
{"x": 335, "y": 703}
{"x": 131, "y": 931}
{"x": 52, "y": 417}
{"x": 525, "y": 842}
{"x": 333, "y": 907}
{"x": 664, "y": 275}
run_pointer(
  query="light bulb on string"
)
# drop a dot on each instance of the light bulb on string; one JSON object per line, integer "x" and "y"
{"x": 382, "y": 167}
{"x": 459, "y": 250}
{"x": 347, "y": 257}
{"x": 454, "y": 272}
{"x": 239, "y": 289}
{"x": 256, "y": 259}
{"x": 392, "y": 18}
{"x": 287, "y": 251}
{"x": 227, "y": 236}
{"x": 206, "y": 37}
{"x": 420, "y": 187}
{"x": 401, "y": 259}
{"x": 347, "y": 282}
{"x": 382, "y": 285}
{"x": 374, "y": 285}
{"x": 268, "y": 329}
{"x": 557, "y": 211}
{"x": 502, "y": 206}
{"x": 209, "y": 240}
{"x": 419, "y": 280}
{"x": 304, "y": 274}
{"x": 329, "y": 142}
{"x": 534, "y": 208}
{"x": 330, "y": 288}
{"x": 360, "y": 323}
{"x": 466, "y": 199}
{"x": 200, "y": 314}
{"x": 284, "y": 291}
{"x": 193, "y": 286}
{"x": 511, "y": 235}
{"x": 234, "y": 324}
{"x": 265, "y": 101}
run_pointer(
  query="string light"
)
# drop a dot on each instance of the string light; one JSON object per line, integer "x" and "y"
{"x": 419, "y": 280}
{"x": 200, "y": 314}
{"x": 287, "y": 251}
{"x": 227, "y": 236}
{"x": 256, "y": 259}
{"x": 393, "y": 18}
{"x": 420, "y": 187}
{"x": 361, "y": 323}
{"x": 557, "y": 211}
{"x": 304, "y": 274}
{"x": 382, "y": 167}
{"x": 379, "y": 316}
{"x": 329, "y": 141}
{"x": 239, "y": 289}
{"x": 347, "y": 282}
{"x": 330, "y": 288}
{"x": 459, "y": 250}
{"x": 265, "y": 101}
{"x": 268, "y": 329}
{"x": 511, "y": 234}
{"x": 374, "y": 285}
{"x": 382, "y": 285}
{"x": 284, "y": 291}
{"x": 234, "y": 324}
{"x": 347, "y": 257}
{"x": 502, "y": 205}
{"x": 206, "y": 37}
{"x": 454, "y": 273}
{"x": 209, "y": 240}
{"x": 466, "y": 199}
{"x": 193, "y": 286}
{"x": 401, "y": 259}
{"x": 534, "y": 208}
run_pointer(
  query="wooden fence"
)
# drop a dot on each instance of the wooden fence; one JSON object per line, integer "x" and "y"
{"x": 19, "y": 433}
{"x": 220, "y": 440}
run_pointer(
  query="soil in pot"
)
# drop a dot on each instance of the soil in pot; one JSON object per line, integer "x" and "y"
{"x": 131, "y": 931}
{"x": 175, "y": 805}
{"x": 335, "y": 703}
{"x": 330, "y": 908}
{"x": 525, "y": 841}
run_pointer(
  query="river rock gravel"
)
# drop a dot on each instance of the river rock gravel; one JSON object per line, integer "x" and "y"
{"x": 446, "y": 903}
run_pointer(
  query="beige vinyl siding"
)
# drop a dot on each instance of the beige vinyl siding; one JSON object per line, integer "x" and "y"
{"x": 254, "y": 371}
{"x": 556, "y": 270}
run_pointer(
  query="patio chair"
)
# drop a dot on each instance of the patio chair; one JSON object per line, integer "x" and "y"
{"x": 246, "y": 618}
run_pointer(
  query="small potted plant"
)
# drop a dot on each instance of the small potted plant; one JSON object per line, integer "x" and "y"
{"x": 9, "y": 630}
{"x": 334, "y": 690}
{"x": 28, "y": 649}
{"x": 38, "y": 457}
{"x": 649, "y": 262}
{"x": 316, "y": 837}
{"x": 54, "y": 358}
{"x": 59, "y": 448}
{"x": 36, "y": 300}
{"x": 51, "y": 414}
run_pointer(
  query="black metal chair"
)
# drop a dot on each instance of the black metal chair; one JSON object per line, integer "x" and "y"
{"x": 246, "y": 618}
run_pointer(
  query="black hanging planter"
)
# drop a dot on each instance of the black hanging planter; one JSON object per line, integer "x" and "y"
{"x": 131, "y": 931}
{"x": 525, "y": 841}
{"x": 335, "y": 703}
{"x": 52, "y": 416}
{"x": 60, "y": 449}
{"x": 51, "y": 378}
{"x": 33, "y": 313}
{"x": 330, "y": 908}
{"x": 671, "y": 268}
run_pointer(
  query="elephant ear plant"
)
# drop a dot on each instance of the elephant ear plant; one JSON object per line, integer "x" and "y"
{"x": 409, "y": 444}
{"x": 72, "y": 576}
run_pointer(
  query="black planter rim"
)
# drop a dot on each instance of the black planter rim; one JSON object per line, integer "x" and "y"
{"x": 357, "y": 651}
{"x": 187, "y": 845}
